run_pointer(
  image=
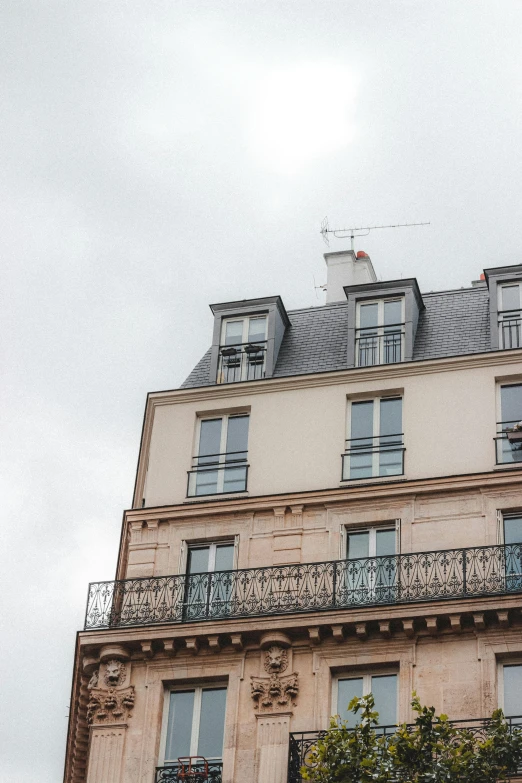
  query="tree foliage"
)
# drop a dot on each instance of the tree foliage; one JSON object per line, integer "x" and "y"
{"x": 431, "y": 750}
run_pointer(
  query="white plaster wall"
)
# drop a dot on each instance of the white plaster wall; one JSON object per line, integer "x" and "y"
{"x": 297, "y": 434}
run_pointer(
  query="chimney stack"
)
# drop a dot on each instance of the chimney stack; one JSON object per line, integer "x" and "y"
{"x": 346, "y": 268}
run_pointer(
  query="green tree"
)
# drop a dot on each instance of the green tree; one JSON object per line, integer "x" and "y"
{"x": 431, "y": 750}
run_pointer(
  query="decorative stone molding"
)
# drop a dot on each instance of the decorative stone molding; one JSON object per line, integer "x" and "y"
{"x": 275, "y": 637}
{"x": 117, "y": 651}
{"x": 115, "y": 673}
{"x": 110, "y": 706}
{"x": 277, "y": 691}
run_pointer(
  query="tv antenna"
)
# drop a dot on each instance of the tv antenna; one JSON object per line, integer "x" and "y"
{"x": 357, "y": 231}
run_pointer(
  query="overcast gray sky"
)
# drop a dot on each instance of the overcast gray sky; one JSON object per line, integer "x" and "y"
{"x": 159, "y": 156}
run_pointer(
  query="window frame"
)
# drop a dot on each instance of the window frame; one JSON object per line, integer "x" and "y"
{"x": 243, "y": 363}
{"x": 246, "y": 326}
{"x": 374, "y": 449}
{"x": 196, "y": 717}
{"x": 366, "y": 676}
{"x": 220, "y": 465}
{"x": 379, "y": 330}
{"x": 212, "y": 546}
{"x": 372, "y": 528}
{"x": 500, "y": 431}
{"x": 504, "y": 317}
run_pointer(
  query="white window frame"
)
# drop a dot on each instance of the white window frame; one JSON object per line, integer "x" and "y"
{"x": 366, "y": 677}
{"x": 499, "y": 447}
{"x": 514, "y": 313}
{"x": 196, "y": 717}
{"x": 379, "y": 329}
{"x": 224, "y": 417}
{"x": 246, "y": 326}
{"x": 517, "y": 661}
{"x": 212, "y": 547}
{"x": 375, "y": 434}
{"x": 372, "y": 530}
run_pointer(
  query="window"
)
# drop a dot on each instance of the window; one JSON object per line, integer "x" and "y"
{"x": 208, "y": 589}
{"x": 513, "y": 552}
{"x": 509, "y": 443}
{"x": 384, "y": 689}
{"x": 220, "y": 465}
{"x": 512, "y": 689}
{"x": 375, "y": 446}
{"x": 196, "y": 725}
{"x": 379, "y": 334}
{"x": 509, "y": 315}
{"x": 370, "y": 573}
{"x": 242, "y": 352}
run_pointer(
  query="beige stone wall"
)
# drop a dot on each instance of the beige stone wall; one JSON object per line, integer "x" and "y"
{"x": 306, "y": 533}
{"x": 457, "y": 672}
{"x": 298, "y": 426}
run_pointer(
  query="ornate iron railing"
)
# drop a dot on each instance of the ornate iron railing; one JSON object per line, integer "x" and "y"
{"x": 308, "y": 587}
{"x": 170, "y": 774}
{"x": 241, "y": 362}
{"x": 302, "y": 743}
{"x": 509, "y": 328}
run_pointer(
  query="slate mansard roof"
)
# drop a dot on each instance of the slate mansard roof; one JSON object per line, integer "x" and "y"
{"x": 453, "y": 323}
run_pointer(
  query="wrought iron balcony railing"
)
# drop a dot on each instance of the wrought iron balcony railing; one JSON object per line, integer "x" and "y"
{"x": 213, "y": 474}
{"x": 170, "y": 774}
{"x": 509, "y": 328}
{"x": 379, "y": 345}
{"x": 302, "y": 743}
{"x": 309, "y": 587}
{"x": 241, "y": 362}
{"x": 376, "y": 455}
{"x": 508, "y": 443}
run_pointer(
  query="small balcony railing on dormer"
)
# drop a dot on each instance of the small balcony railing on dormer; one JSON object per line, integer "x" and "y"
{"x": 379, "y": 345}
{"x": 309, "y": 587}
{"x": 242, "y": 362}
{"x": 510, "y": 329}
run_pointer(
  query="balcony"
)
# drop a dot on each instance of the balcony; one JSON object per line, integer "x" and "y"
{"x": 509, "y": 328}
{"x": 215, "y": 474}
{"x": 309, "y": 587}
{"x": 170, "y": 774}
{"x": 379, "y": 345}
{"x": 301, "y": 743}
{"x": 241, "y": 362}
{"x": 508, "y": 448}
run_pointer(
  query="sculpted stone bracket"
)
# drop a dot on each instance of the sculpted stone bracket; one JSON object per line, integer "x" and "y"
{"x": 277, "y": 691}
{"x": 111, "y": 699}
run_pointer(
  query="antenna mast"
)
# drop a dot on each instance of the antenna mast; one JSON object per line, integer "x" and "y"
{"x": 357, "y": 231}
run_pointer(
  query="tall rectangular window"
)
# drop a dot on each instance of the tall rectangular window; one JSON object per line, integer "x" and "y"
{"x": 242, "y": 351}
{"x": 379, "y": 334}
{"x": 370, "y": 574}
{"x": 513, "y": 553}
{"x": 196, "y": 725}
{"x": 510, "y": 315}
{"x": 512, "y": 696}
{"x": 375, "y": 446}
{"x": 385, "y": 692}
{"x": 220, "y": 464}
{"x": 509, "y": 437}
{"x": 208, "y": 589}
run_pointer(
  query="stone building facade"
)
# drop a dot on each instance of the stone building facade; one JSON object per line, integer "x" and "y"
{"x": 330, "y": 504}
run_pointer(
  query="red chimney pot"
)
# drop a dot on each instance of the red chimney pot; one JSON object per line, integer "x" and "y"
{"x": 482, "y": 276}
{"x": 362, "y": 254}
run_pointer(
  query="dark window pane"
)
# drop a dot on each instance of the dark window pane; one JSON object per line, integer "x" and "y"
{"x": 512, "y": 690}
{"x": 358, "y": 545}
{"x": 198, "y": 560}
{"x": 225, "y": 557}
{"x": 511, "y": 404}
{"x": 368, "y": 315}
{"x": 392, "y": 312}
{"x": 348, "y": 690}
{"x": 385, "y": 543}
{"x": 233, "y": 332}
{"x": 384, "y": 689}
{"x": 207, "y": 482}
{"x": 235, "y": 479}
{"x": 362, "y": 421}
{"x": 510, "y": 297}
{"x": 212, "y": 723}
{"x": 513, "y": 534}
{"x": 209, "y": 440}
{"x": 179, "y": 727}
{"x": 257, "y": 329}
{"x": 237, "y": 438}
{"x": 391, "y": 419}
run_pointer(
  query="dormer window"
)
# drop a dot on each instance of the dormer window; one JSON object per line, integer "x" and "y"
{"x": 379, "y": 333}
{"x": 509, "y": 315}
{"x": 242, "y": 352}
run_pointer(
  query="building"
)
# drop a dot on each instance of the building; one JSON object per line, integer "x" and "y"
{"x": 330, "y": 504}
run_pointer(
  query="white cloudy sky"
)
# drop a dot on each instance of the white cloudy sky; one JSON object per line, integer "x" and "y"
{"x": 159, "y": 156}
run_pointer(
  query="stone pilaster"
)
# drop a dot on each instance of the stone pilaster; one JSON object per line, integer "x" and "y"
{"x": 272, "y": 744}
